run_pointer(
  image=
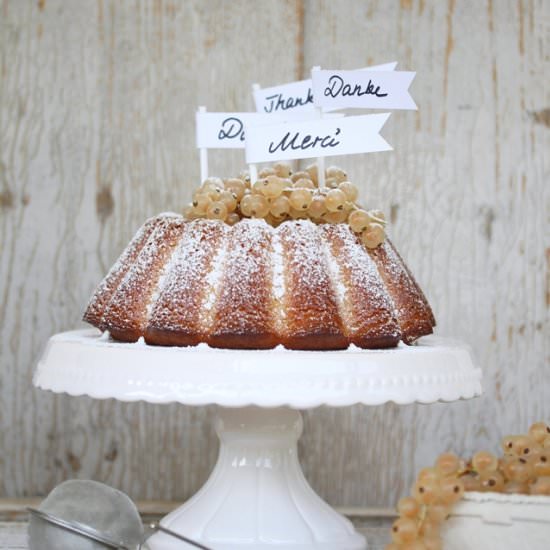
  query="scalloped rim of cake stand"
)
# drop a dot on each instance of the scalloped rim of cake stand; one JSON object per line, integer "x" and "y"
{"x": 85, "y": 362}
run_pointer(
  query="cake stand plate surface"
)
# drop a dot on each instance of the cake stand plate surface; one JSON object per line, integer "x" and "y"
{"x": 257, "y": 497}
{"x": 86, "y": 363}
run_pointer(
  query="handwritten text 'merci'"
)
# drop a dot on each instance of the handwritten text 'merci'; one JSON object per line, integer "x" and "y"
{"x": 296, "y": 142}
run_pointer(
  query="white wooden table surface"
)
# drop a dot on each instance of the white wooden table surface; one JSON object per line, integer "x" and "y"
{"x": 374, "y": 523}
{"x": 13, "y": 535}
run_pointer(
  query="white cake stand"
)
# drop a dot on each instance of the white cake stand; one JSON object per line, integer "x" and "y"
{"x": 257, "y": 497}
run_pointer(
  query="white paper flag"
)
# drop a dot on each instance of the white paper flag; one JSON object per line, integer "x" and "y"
{"x": 315, "y": 138}
{"x": 364, "y": 89}
{"x": 226, "y": 130}
{"x": 222, "y": 130}
{"x": 295, "y": 95}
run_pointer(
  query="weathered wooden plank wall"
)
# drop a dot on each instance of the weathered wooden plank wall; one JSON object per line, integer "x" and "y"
{"x": 97, "y": 133}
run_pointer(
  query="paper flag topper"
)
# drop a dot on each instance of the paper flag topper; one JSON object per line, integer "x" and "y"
{"x": 294, "y": 96}
{"x": 226, "y": 130}
{"x": 315, "y": 138}
{"x": 223, "y": 130}
{"x": 364, "y": 89}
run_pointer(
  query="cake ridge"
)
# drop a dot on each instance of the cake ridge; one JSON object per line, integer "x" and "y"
{"x": 413, "y": 311}
{"x": 371, "y": 309}
{"x": 243, "y": 307}
{"x": 127, "y": 308}
{"x": 95, "y": 310}
{"x": 313, "y": 318}
{"x": 178, "y": 314}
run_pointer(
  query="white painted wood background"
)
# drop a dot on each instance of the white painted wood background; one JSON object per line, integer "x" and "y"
{"x": 97, "y": 133}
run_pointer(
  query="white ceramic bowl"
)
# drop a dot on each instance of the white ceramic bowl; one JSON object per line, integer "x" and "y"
{"x": 487, "y": 521}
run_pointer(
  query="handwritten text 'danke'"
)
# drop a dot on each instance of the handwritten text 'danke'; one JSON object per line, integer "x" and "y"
{"x": 363, "y": 89}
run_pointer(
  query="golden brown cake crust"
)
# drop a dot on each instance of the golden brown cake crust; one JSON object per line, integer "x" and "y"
{"x": 369, "y": 314}
{"x": 413, "y": 311}
{"x": 253, "y": 286}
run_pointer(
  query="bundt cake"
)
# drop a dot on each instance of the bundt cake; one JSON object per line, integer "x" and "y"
{"x": 253, "y": 285}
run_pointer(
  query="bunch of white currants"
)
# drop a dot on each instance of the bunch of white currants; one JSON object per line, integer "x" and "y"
{"x": 524, "y": 468}
{"x": 279, "y": 195}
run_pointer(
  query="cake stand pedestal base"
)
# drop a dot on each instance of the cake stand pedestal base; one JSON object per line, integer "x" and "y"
{"x": 257, "y": 496}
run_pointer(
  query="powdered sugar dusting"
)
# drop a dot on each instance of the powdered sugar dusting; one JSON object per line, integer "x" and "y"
{"x": 278, "y": 268}
{"x": 338, "y": 285}
{"x": 159, "y": 287}
{"x": 213, "y": 280}
{"x": 278, "y": 283}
